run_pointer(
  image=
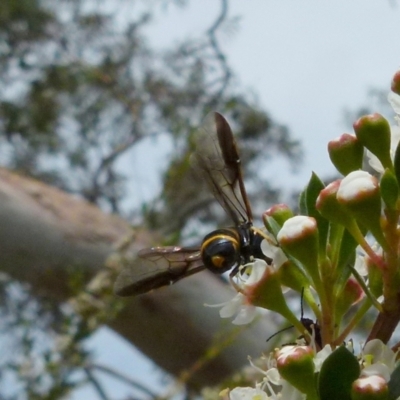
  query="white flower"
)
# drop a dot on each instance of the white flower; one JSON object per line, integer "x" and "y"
{"x": 362, "y": 259}
{"x": 321, "y": 356}
{"x": 238, "y": 306}
{"x": 273, "y": 381}
{"x": 373, "y": 160}
{"x": 361, "y": 265}
{"x": 273, "y": 376}
{"x": 289, "y": 392}
{"x": 274, "y": 252}
{"x": 378, "y": 359}
{"x": 394, "y": 100}
{"x": 248, "y": 393}
{"x": 258, "y": 268}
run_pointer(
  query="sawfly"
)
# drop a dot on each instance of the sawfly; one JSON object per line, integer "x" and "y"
{"x": 216, "y": 160}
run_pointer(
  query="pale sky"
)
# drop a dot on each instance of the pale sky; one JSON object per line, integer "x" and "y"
{"x": 305, "y": 61}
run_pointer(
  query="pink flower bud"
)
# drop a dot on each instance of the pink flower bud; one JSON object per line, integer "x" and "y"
{"x": 346, "y": 153}
{"x": 359, "y": 193}
{"x": 279, "y": 212}
{"x": 373, "y": 131}
{"x": 296, "y": 365}
{"x": 328, "y": 206}
{"x": 351, "y": 294}
{"x": 299, "y": 238}
{"x": 372, "y": 387}
{"x": 395, "y": 86}
{"x": 357, "y": 186}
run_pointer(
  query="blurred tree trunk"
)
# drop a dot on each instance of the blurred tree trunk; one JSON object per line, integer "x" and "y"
{"x": 45, "y": 234}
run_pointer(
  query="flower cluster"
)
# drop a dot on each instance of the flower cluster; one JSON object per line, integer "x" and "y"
{"x": 343, "y": 254}
{"x": 299, "y": 373}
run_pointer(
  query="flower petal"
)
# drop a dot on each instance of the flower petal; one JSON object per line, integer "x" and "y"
{"x": 258, "y": 268}
{"x": 245, "y": 315}
{"x": 394, "y": 100}
{"x": 247, "y": 393}
{"x": 231, "y": 307}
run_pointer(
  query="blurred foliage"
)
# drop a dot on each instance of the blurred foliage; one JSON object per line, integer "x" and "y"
{"x": 82, "y": 86}
{"x": 46, "y": 356}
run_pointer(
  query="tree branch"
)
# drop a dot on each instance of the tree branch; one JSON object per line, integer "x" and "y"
{"x": 45, "y": 234}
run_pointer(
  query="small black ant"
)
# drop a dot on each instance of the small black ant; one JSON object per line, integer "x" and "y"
{"x": 312, "y": 327}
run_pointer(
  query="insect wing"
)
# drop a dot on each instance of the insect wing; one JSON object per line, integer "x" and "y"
{"x": 157, "y": 267}
{"x": 217, "y": 159}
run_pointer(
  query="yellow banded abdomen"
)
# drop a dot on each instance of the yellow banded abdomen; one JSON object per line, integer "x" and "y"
{"x": 220, "y": 250}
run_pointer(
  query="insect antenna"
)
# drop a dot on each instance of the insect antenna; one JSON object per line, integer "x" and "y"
{"x": 312, "y": 327}
{"x": 280, "y": 331}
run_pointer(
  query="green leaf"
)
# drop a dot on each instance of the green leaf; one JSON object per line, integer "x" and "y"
{"x": 394, "y": 384}
{"x": 272, "y": 226}
{"x": 397, "y": 163}
{"x": 314, "y": 187}
{"x": 337, "y": 374}
{"x": 302, "y": 203}
{"x": 346, "y": 255}
{"x": 389, "y": 189}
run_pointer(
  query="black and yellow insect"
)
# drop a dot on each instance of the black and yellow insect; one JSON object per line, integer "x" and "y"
{"x": 216, "y": 158}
